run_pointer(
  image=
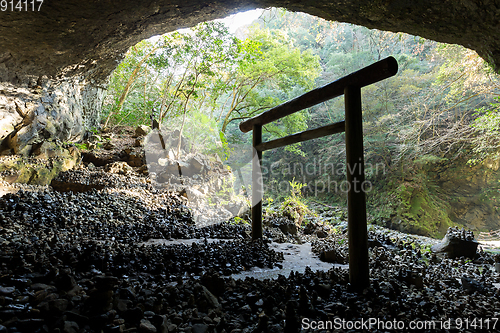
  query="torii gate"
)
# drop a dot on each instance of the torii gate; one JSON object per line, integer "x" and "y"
{"x": 349, "y": 86}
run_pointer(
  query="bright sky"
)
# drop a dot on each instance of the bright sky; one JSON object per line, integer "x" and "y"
{"x": 233, "y": 22}
{"x": 241, "y": 19}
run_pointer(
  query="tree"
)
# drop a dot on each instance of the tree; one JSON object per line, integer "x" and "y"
{"x": 270, "y": 71}
{"x": 207, "y": 53}
{"x": 128, "y": 71}
{"x": 174, "y": 74}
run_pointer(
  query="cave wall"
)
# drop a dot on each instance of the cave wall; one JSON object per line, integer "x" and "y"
{"x": 48, "y": 110}
{"x": 54, "y": 62}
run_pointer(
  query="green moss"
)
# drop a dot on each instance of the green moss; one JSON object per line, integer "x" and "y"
{"x": 416, "y": 204}
{"x": 41, "y": 171}
{"x": 422, "y": 211}
{"x": 8, "y": 165}
{"x": 44, "y": 175}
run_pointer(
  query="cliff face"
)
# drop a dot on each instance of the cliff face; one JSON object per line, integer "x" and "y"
{"x": 53, "y": 110}
{"x": 54, "y": 61}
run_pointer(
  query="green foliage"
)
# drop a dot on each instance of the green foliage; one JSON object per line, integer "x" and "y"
{"x": 437, "y": 110}
{"x": 429, "y": 159}
{"x": 214, "y": 78}
{"x": 171, "y": 74}
{"x": 238, "y": 221}
{"x": 487, "y": 127}
{"x": 201, "y": 131}
{"x": 268, "y": 207}
{"x": 294, "y": 205}
{"x": 82, "y": 146}
{"x": 270, "y": 71}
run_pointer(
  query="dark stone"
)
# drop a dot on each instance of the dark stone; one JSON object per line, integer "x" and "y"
{"x": 373, "y": 243}
{"x": 98, "y": 158}
{"x": 136, "y": 158}
{"x": 238, "y": 209}
{"x": 76, "y": 317}
{"x": 76, "y": 182}
{"x": 310, "y": 228}
{"x": 411, "y": 278}
{"x": 7, "y": 290}
{"x": 472, "y": 285}
{"x": 45, "y": 287}
{"x": 65, "y": 282}
{"x": 321, "y": 233}
{"x": 199, "y": 328}
{"x": 58, "y": 305}
{"x": 210, "y": 298}
{"x": 122, "y": 305}
{"x": 456, "y": 244}
{"x": 71, "y": 327}
{"x": 127, "y": 293}
{"x": 104, "y": 283}
{"x": 196, "y": 165}
{"x": 214, "y": 283}
{"x": 331, "y": 256}
{"x": 146, "y": 327}
{"x": 286, "y": 225}
{"x": 134, "y": 315}
{"x": 30, "y": 325}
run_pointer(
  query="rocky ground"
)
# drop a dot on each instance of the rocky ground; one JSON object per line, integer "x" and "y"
{"x": 80, "y": 261}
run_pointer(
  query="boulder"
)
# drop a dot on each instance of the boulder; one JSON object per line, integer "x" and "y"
{"x": 212, "y": 301}
{"x": 457, "y": 243}
{"x": 286, "y": 225}
{"x": 146, "y": 327}
{"x": 121, "y": 168}
{"x": 237, "y": 208}
{"x": 172, "y": 168}
{"x": 77, "y": 181}
{"x": 136, "y": 158}
{"x": 98, "y": 158}
{"x": 71, "y": 327}
{"x": 141, "y": 130}
{"x": 310, "y": 228}
{"x": 44, "y": 150}
{"x": 471, "y": 285}
{"x": 196, "y": 165}
{"x": 192, "y": 166}
{"x": 194, "y": 195}
{"x": 332, "y": 256}
{"x": 41, "y": 170}
{"x": 321, "y": 233}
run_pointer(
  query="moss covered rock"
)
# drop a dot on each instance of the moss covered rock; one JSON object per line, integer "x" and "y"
{"x": 45, "y": 162}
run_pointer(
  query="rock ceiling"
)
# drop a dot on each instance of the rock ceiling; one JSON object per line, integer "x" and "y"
{"x": 89, "y": 37}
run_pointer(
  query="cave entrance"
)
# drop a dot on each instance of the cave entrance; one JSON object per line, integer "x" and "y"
{"x": 425, "y": 102}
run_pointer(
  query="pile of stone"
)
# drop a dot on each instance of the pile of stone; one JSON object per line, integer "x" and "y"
{"x": 457, "y": 243}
